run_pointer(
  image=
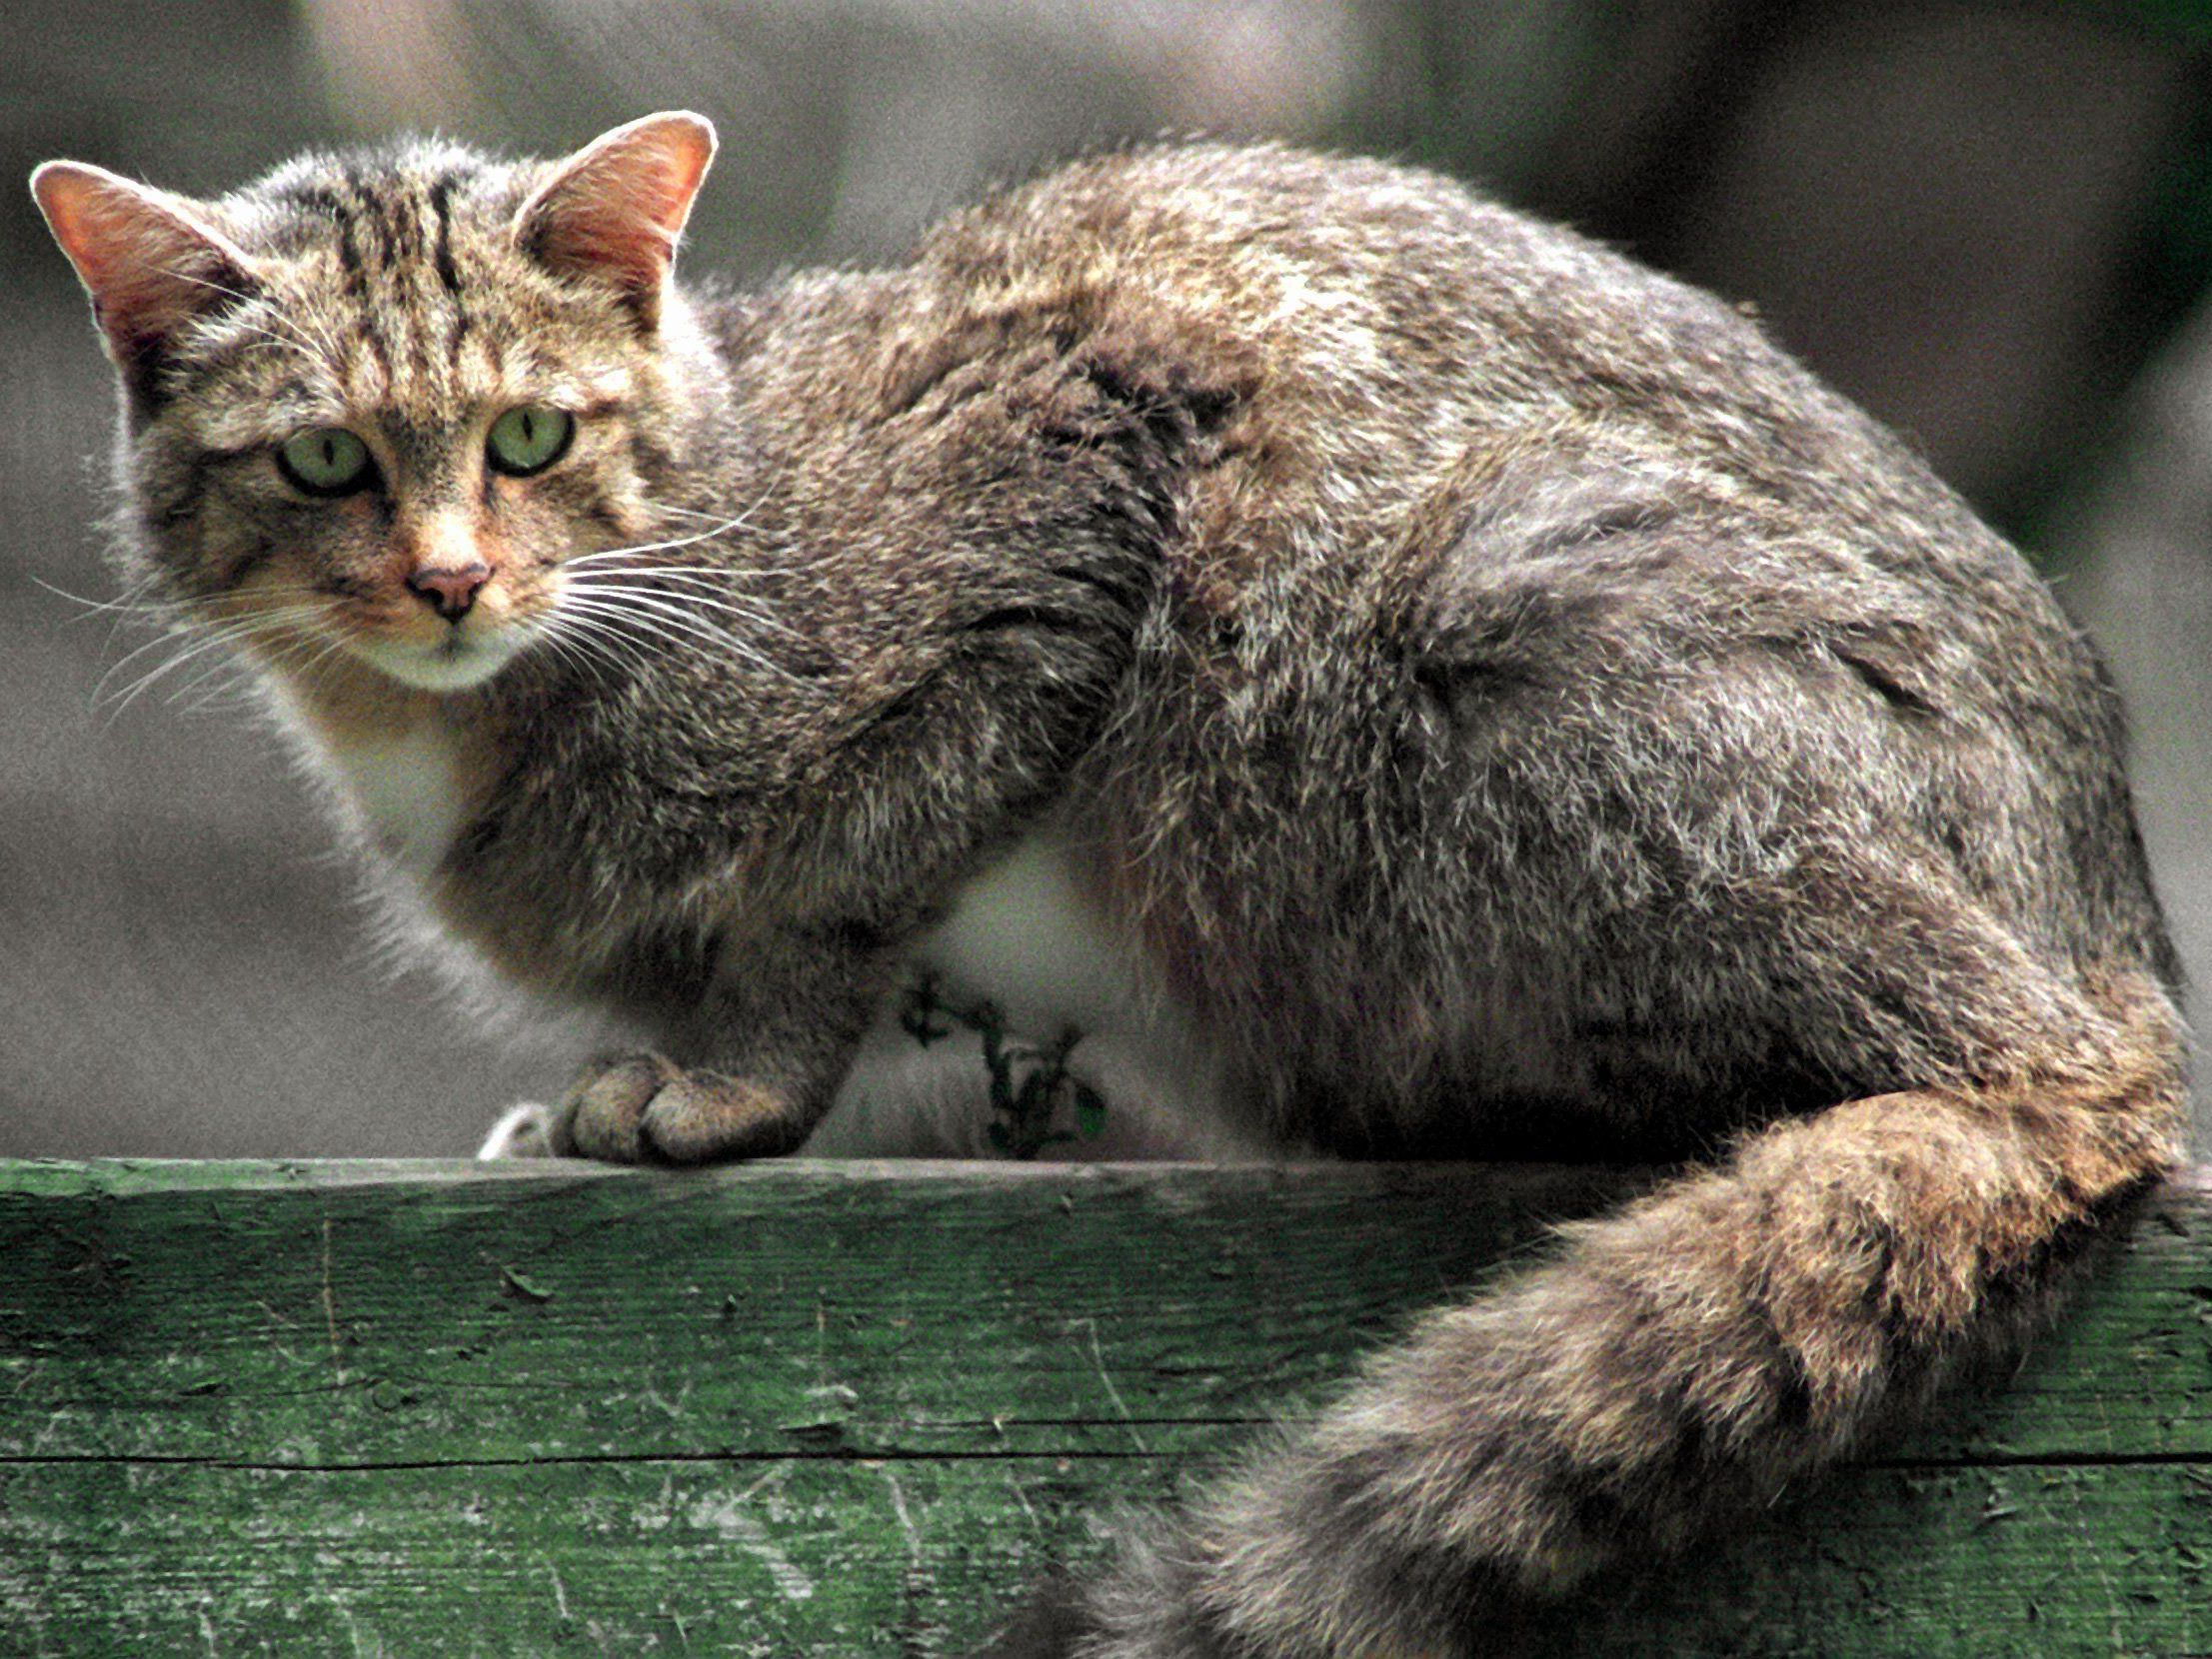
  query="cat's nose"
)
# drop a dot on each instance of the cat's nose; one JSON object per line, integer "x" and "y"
{"x": 450, "y": 589}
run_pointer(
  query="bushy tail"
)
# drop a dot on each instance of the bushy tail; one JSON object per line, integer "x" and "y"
{"x": 1685, "y": 1359}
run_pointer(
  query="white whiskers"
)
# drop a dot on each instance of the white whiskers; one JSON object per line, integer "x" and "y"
{"x": 210, "y": 644}
{"x": 616, "y": 614}
{"x": 622, "y": 599}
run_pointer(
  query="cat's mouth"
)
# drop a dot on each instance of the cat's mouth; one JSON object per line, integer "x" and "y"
{"x": 455, "y": 658}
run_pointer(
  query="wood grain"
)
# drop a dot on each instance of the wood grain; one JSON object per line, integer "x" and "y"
{"x": 811, "y": 1408}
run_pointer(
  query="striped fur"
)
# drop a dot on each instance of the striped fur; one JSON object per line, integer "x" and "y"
{"x": 1504, "y": 704}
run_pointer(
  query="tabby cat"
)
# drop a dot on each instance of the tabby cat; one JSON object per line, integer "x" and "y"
{"x": 1447, "y": 689}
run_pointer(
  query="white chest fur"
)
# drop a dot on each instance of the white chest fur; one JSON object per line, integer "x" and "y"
{"x": 1023, "y": 934}
{"x": 404, "y": 786}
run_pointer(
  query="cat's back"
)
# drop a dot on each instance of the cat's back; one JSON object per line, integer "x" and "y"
{"x": 1336, "y": 268}
{"x": 1376, "y": 327}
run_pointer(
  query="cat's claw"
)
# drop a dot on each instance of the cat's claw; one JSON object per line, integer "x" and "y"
{"x": 522, "y": 1131}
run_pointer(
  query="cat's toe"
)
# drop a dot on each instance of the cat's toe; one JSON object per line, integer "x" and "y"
{"x": 705, "y": 1118}
{"x": 600, "y": 1117}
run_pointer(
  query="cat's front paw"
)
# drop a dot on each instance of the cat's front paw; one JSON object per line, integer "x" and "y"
{"x": 642, "y": 1109}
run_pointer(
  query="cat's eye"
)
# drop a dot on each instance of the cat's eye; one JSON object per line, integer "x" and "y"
{"x": 528, "y": 440}
{"x": 325, "y": 461}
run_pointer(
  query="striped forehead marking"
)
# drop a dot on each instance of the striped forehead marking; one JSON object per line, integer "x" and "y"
{"x": 393, "y": 239}
{"x": 439, "y": 196}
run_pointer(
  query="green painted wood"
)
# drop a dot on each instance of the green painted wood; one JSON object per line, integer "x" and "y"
{"x": 799, "y": 1409}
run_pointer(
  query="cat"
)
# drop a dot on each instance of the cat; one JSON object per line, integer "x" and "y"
{"x": 1466, "y": 694}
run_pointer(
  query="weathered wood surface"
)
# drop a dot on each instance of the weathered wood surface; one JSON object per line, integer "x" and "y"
{"x": 829, "y": 1410}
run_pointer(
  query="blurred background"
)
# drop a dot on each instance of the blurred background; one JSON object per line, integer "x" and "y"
{"x": 1991, "y": 223}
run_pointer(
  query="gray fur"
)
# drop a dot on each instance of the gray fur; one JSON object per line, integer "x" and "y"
{"x": 1518, "y": 707}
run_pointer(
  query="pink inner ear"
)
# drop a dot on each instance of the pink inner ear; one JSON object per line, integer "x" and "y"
{"x": 149, "y": 266}
{"x": 614, "y": 210}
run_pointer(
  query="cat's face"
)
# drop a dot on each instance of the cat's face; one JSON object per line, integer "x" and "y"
{"x": 375, "y": 412}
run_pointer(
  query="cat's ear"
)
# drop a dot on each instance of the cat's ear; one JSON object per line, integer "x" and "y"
{"x": 149, "y": 261}
{"x": 613, "y": 211}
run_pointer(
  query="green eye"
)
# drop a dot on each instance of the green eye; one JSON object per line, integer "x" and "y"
{"x": 528, "y": 440}
{"x": 325, "y": 461}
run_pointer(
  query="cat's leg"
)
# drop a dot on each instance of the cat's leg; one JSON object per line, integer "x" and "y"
{"x": 1685, "y": 1361}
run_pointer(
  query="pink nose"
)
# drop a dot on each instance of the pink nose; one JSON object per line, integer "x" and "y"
{"x": 451, "y": 591}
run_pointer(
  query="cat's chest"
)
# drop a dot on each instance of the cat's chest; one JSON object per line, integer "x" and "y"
{"x": 1026, "y": 934}
{"x": 408, "y": 787}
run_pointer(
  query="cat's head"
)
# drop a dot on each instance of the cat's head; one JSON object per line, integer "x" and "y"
{"x": 375, "y": 405}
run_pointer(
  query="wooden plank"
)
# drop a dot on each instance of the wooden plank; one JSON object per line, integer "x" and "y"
{"x": 850, "y": 1408}
{"x": 832, "y": 1556}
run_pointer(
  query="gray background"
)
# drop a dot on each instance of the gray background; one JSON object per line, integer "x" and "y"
{"x": 1991, "y": 225}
